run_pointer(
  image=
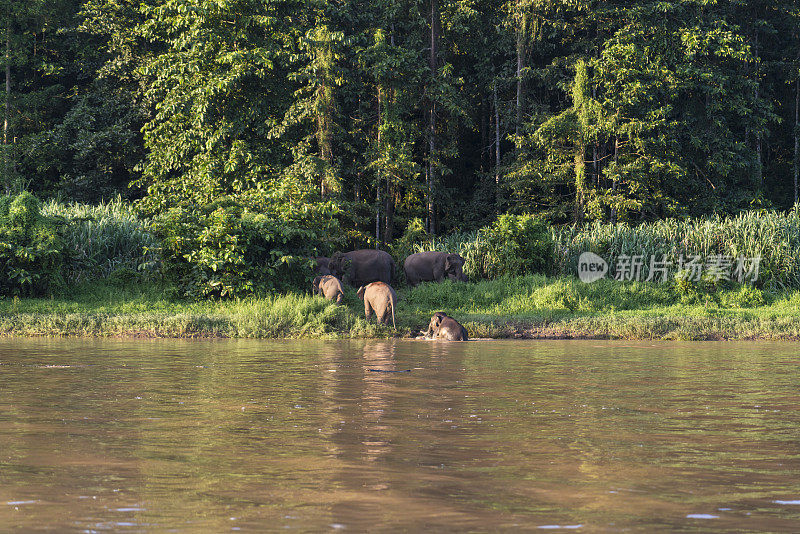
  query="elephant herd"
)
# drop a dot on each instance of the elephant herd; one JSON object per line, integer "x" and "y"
{"x": 372, "y": 272}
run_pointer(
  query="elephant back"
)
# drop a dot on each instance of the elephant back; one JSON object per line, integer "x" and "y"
{"x": 360, "y": 267}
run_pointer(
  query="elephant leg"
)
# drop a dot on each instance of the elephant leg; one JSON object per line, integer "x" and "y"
{"x": 438, "y": 273}
{"x": 367, "y": 310}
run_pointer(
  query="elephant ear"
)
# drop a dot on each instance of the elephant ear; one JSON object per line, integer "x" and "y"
{"x": 455, "y": 260}
{"x": 316, "y": 282}
{"x": 322, "y": 265}
{"x": 360, "y": 292}
{"x": 340, "y": 264}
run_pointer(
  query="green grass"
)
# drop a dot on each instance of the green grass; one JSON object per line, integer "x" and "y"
{"x": 537, "y": 306}
{"x": 528, "y": 306}
{"x": 772, "y": 236}
{"x": 104, "y": 240}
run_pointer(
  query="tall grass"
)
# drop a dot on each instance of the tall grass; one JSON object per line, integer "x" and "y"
{"x": 772, "y": 236}
{"x": 104, "y": 240}
{"x": 101, "y": 240}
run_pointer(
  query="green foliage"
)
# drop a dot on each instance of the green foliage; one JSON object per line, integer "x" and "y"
{"x": 609, "y": 111}
{"x": 24, "y": 211}
{"x": 227, "y": 249}
{"x": 218, "y": 89}
{"x": 104, "y": 240}
{"x": 30, "y": 247}
{"x": 773, "y": 237}
{"x": 43, "y": 247}
{"x": 95, "y": 151}
{"x": 746, "y": 296}
{"x": 414, "y": 236}
{"x": 512, "y": 245}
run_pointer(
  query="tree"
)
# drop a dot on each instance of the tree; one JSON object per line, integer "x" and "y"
{"x": 218, "y": 84}
{"x": 319, "y": 77}
{"x": 680, "y": 102}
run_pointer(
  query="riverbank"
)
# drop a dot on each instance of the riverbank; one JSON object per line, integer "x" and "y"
{"x": 522, "y": 307}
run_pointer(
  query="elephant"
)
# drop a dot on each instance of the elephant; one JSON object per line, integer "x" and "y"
{"x": 360, "y": 267}
{"x": 436, "y": 266}
{"x": 328, "y": 286}
{"x": 380, "y": 297}
{"x": 445, "y": 327}
{"x": 321, "y": 266}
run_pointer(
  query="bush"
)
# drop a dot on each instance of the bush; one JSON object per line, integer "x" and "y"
{"x": 413, "y": 240}
{"x": 30, "y": 247}
{"x": 101, "y": 239}
{"x": 746, "y": 296}
{"x": 512, "y": 245}
{"x": 224, "y": 249}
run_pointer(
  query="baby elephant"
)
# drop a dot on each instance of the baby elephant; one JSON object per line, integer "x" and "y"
{"x": 380, "y": 297}
{"x": 328, "y": 286}
{"x": 445, "y": 327}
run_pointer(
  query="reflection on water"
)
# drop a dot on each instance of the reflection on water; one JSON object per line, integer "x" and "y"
{"x": 398, "y": 435}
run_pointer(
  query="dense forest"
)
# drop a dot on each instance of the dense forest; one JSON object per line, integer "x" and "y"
{"x": 294, "y": 127}
{"x": 449, "y": 110}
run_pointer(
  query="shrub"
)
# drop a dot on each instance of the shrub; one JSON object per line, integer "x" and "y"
{"x": 224, "y": 249}
{"x": 415, "y": 237}
{"x": 30, "y": 247}
{"x": 512, "y": 245}
{"x": 102, "y": 239}
{"x": 746, "y": 296}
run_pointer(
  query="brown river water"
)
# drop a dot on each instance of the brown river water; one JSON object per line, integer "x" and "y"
{"x": 398, "y": 436}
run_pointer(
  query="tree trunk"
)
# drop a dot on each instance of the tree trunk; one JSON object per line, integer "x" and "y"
{"x": 614, "y": 181}
{"x": 378, "y": 185}
{"x": 389, "y": 210}
{"x": 484, "y": 135}
{"x": 378, "y": 213}
{"x": 8, "y": 86}
{"x": 6, "y": 155}
{"x": 580, "y": 182}
{"x": 796, "y": 143}
{"x": 496, "y": 139}
{"x": 324, "y": 140}
{"x": 433, "y": 64}
{"x": 521, "y": 38}
{"x": 595, "y": 149}
{"x": 758, "y": 174}
{"x": 391, "y": 102}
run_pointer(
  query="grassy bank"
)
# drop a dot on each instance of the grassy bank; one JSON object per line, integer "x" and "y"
{"x": 528, "y": 306}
